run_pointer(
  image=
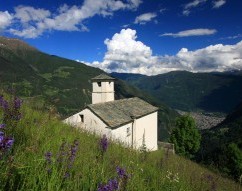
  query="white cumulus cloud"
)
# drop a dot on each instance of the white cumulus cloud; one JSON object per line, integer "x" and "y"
{"x": 29, "y": 32}
{"x": 26, "y": 14}
{"x": 144, "y": 18}
{"x": 32, "y": 22}
{"x": 126, "y": 54}
{"x": 217, "y": 57}
{"x": 5, "y": 19}
{"x": 192, "y": 32}
{"x": 218, "y": 3}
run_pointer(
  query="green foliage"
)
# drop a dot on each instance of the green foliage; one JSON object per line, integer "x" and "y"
{"x": 234, "y": 155}
{"x": 186, "y": 136}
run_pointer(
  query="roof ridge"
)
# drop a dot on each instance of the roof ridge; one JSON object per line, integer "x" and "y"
{"x": 103, "y": 76}
{"x": 118, "y": 100}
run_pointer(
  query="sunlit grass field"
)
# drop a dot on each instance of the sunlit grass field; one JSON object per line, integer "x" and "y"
{"x": 49, "y": 155}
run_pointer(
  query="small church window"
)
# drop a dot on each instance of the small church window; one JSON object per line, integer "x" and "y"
{"x": 82, "y": 118}
{"x": 128, "y": 131}
{"x": 99, "y": 84}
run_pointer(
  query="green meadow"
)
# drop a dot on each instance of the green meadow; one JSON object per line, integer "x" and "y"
{"x": 50, "y": 155}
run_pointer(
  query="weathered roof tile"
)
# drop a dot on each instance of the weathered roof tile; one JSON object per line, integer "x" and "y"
{"x": 103, "y": 77}
{"x": 119, "y": 112}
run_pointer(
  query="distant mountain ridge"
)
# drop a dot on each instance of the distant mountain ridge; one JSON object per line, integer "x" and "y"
{"x": 62, "y": 83}
{"x": 212, "y": 92}
{"x": 15, "y": 45}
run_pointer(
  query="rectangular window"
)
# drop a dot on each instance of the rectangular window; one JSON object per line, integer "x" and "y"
{"x": 128, "y": 131}
{"x": 99, "y": 84}
{"x": 82, "y": 118}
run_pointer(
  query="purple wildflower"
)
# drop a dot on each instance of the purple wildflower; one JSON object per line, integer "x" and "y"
{"x": 71, "y": 157}
{"x": 104, "y": 144}
{"x": 9, "y": 142}
{"x": 123, "y": 178}
{"x": 48, "y": 156}
{"x": 101, "y": 187}
{"x": 67, "y": 175}
{"x": 17, "y": 103}
{"x": 65, "y": 158}
{"x": 2, "y": 126}
{"x": 118, "y": 183}
{"x": 121, "y": 172}
{"x": 111, "y": 185}
{"x": 62, "y": 152}
{"x": 5, "y": 142}
{"x": 1, "y": 100}
{"x": 5, "y": 104}
{"x": 73, "y": 152}
{"x": 1, "y": 136}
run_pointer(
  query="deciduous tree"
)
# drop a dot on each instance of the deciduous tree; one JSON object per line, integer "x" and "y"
{"x": 186, "y": 136}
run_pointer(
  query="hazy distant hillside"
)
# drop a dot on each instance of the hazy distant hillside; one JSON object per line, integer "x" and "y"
{"x": 217, "y": 144}
{"x": 128, "y": 77}
{"x": 62, "y": 83}
{"x": 234, "y": 118}
{"x": 219, "y": 92}
{"x": 230, "y": 130}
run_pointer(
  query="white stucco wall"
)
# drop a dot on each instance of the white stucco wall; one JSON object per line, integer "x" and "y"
{"x": 102, "y": 97}
{"x": 145, "y": 126}
{"x": 91, "y": 123}
{"x": 102, "y": 93}
{"x": 122, "y": 136}
{"x": 105, "y": 87}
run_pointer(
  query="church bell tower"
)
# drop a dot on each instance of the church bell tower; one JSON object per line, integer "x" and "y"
{"x": 102, "y": 89}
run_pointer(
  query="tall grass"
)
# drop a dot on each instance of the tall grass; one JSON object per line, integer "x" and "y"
{"x": 50, "y": 155}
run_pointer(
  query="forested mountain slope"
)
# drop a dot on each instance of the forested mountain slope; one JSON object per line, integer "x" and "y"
{"x": 213, "y": 92}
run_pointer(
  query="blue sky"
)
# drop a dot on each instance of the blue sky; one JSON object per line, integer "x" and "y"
{"x": 138, "y": 36}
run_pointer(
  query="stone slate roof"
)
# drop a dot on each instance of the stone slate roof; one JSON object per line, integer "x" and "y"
{"x": 103, "y": 77}
{"x": 119, "y": 112}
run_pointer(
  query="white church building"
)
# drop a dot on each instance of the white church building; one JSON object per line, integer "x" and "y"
{"x": 131, "y": 121}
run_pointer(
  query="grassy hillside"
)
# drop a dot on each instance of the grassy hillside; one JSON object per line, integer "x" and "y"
{"x": 62, "y": 85}
{"x": 216, "y": 92}
{"x": 49, "y": 155}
